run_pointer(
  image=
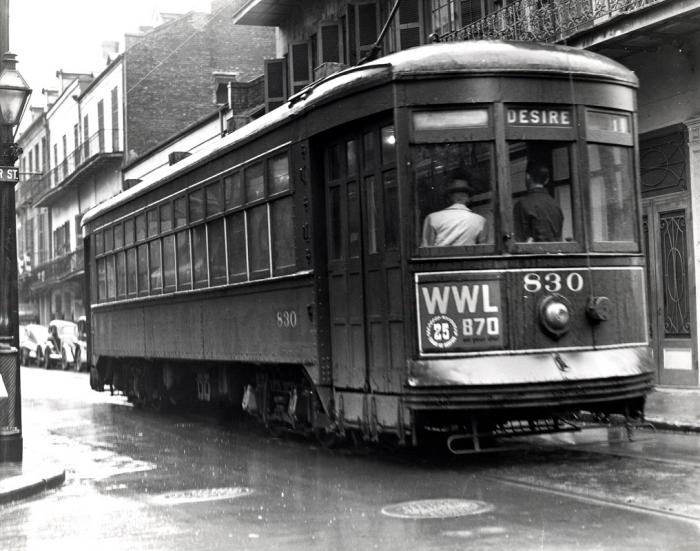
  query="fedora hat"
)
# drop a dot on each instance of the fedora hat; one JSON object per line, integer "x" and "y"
{"x": 458, "y": 184}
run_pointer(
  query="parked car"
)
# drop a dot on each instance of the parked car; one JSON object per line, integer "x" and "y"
{"x": 32, "y": 338}
{"x": 64, "y": 346}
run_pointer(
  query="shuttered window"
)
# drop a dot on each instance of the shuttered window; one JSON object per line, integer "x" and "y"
{"x": 275, "y": 83}
{"x": 329, "y": 46}
{"x": 300, "y": 64}
{"x": 471, "y": 11}
{"x": 363, "y": 29}
{"x": 410, "y": 24}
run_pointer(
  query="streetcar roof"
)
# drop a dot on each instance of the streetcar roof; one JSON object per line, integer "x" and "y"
{"x": 483, "y": 57}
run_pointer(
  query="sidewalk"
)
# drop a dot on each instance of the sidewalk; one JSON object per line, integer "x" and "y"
{"x": 674, "y": 409}
{"x": 33, "y": 475}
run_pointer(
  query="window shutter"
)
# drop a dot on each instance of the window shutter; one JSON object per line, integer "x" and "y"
{"x": 366, "y": 28}
{"x": 351, "y": 21}
{"x": 300, "y": 64}
{"x": 330, "y": 43}
{"x": 410, "y": 22}
{"x": 275, "y": 83}
{"x": 471, "y": 11}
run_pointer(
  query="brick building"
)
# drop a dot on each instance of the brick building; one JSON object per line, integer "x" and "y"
{"x": 658, "y": 39}
{"x": 169, "y": 78}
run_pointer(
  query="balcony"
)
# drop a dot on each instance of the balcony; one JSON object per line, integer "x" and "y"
{"x": 58, "y": 270}
{"x": 29, "y": 188}
{"x": 102, "y": 150}
{"x": 548, "y": 21}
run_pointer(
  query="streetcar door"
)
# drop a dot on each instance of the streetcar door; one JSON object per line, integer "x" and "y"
{"x": 666, "y": 232}
{"x": 364, "y": 280}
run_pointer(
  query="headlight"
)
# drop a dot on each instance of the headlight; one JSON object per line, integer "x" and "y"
{"x": 555, "y": 315}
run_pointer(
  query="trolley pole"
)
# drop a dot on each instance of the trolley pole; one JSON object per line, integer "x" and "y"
{"x": 14, "y": 94}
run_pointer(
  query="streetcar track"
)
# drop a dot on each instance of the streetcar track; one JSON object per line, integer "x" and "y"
{"x": 592, "y": 499}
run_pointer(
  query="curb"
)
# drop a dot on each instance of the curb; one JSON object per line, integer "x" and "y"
{"x": 673, "y": 426}
{"x": 23, "y": 486}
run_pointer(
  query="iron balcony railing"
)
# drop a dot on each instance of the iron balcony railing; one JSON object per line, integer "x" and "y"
{"x": 61, "y": 267}
{"x": 103, "y": 141}
{"x": 29, "y": 187}
{"x": 546, "y": 20}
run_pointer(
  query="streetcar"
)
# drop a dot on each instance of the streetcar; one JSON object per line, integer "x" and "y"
{"x": 285, "y": 273}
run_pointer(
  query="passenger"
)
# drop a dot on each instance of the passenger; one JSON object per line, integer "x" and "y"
{"x": 537, "y": 216}
{"x": 455, "y": 225}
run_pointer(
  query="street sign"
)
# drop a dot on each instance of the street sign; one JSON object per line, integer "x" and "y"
{"x": 9, "y": 174}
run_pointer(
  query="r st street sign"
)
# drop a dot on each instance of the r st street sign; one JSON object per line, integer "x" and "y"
{"x": 9, "y": 174}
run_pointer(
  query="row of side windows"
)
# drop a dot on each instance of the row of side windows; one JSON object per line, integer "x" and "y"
{"x": 238, "y": 228}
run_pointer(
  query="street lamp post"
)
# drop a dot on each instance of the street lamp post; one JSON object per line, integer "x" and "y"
{"x": 14, "y": 94}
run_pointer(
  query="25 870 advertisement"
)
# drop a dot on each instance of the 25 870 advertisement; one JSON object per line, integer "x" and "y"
{"x": 459, "y": 312}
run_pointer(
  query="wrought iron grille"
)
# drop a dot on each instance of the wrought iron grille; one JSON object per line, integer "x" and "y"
{"x": 546, "y": 20}
{"x": 674, "y": 263}
{"x": 664, "y": 163}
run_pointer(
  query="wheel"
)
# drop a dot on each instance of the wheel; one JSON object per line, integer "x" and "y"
{"x": 64, "y": 361}
{"x": 47, "y": 359}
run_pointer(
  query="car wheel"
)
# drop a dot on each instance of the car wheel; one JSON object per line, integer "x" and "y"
{"x": 76, "y": 365}
{"x": 64, "y": 360}
{"x": 47, "y": 360}
{"x": 39, "y": 357}
{"x": 24, "y": 357}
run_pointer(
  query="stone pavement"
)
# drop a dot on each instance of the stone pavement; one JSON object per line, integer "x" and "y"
{"x": 667, "y": 409}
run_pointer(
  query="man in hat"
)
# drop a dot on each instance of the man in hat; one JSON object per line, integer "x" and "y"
{"x": 455, "y": 225}
{"x": 537, "y": 215}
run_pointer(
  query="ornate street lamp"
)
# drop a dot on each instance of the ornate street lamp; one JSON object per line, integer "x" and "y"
{"x": 14, "y": 94}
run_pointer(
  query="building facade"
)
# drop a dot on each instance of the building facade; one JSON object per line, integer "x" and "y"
{"x": 168, "y": 79}
{"x": 658, "y": 39}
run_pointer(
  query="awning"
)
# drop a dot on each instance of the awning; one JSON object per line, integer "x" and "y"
{"x": 267, "y": 13}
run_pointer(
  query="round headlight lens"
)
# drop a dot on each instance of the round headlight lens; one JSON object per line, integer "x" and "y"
{"x": 555, "y": 315}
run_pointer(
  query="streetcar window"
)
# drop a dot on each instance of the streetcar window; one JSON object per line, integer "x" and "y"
{"x": 254, "y": 182}
{"x": 372, "y": 222}
{"x": 168, "y": 262}
{"x": 215, "y": 201}
{"x": 282, "y": 214}
{"x": 391, "y": 211}
{"x": 101, "y": 280}
{"x": 235, "y": 228}
{"x": 199, "y": 256}
{"x": 353, "y": 214}
{"x": 217, "y": 251}
{"x": 611, "y": 193}
{"x": 166, "y": 217}
{"x": 140, "y": 227}
{"x": 351, "y": 156}
{"x": 184, "y": 273}
{"x": 452, "y": 177}
{"x": 155, "y": 265}
{"x": 99, "y": 242}
{"x": 121, "y": 274}
{"x": 196, "y": 204}
{"x": 335, "y": 160}
{"x": 131, "y": 278}
{"x": 118, "y": 236}
{"x": 152, "y": 216}
{"x": 180, "y": 205}
{"x": 142, "y": 270}
{"x": 233, "y": 190}
{"x": 608, "y": 122}
{"x": 388, "y": 144}
{"x": 258, "y": 242}
{"x": 368, "y": 150}
{"x": 109, "y": 239}
{"x": 335, "y": 226}
{"x": 278, "y": 173}
{"x": 111, "y": 280}
{"x": 129, "y": 231}
{"x": 540, "y": 180}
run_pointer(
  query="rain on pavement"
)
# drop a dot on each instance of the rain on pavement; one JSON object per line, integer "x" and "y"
{"x": 141, "y": 480}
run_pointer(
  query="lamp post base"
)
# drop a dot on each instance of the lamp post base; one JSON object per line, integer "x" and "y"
{"x": 11, "y": 446}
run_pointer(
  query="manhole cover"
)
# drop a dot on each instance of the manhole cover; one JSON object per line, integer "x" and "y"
{"x": 207, "y": 494}
{"x": 436, "y": 508}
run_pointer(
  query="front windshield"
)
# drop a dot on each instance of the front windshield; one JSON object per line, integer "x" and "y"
{"x": 540, "y": 179}
{"x": 454, "y": 194}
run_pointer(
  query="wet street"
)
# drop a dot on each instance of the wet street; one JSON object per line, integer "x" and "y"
{"x": 142, "y": 480}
